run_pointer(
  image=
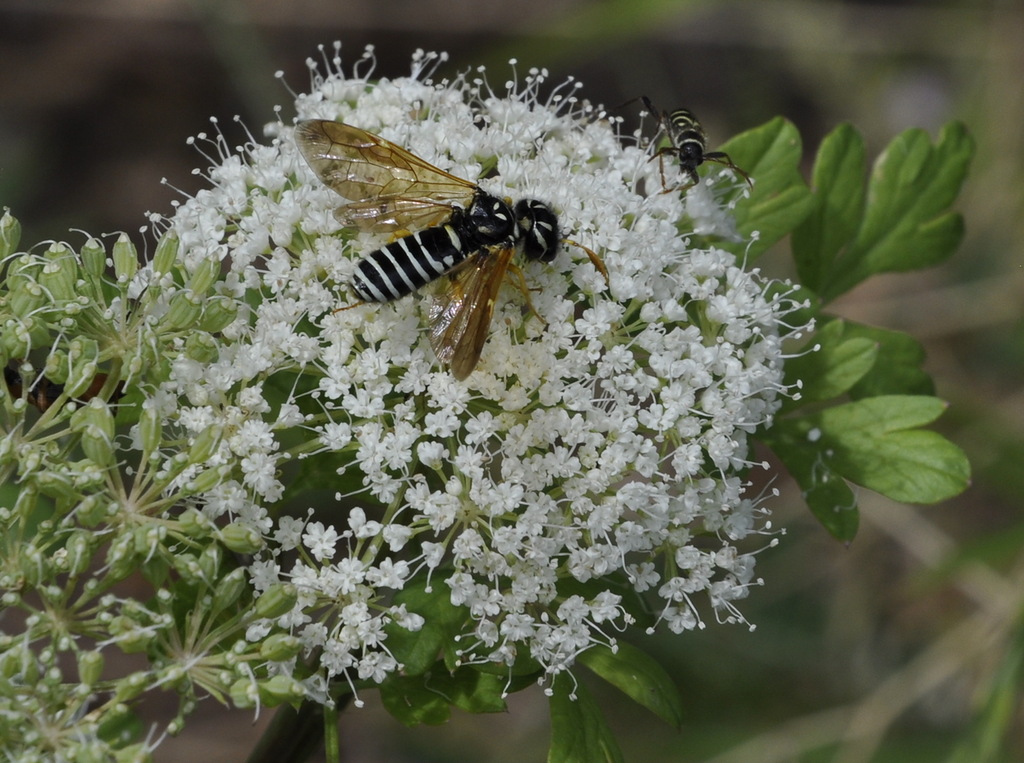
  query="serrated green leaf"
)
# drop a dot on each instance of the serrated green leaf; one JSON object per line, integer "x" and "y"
{"x": 410, "y": 701}
{"x": 838, "y": 183}
{"x": 417, "y": 651}
{"x": 639, "y": 677}
{"x": 780, "y": 199}
{"x": 906, "y": 225}
{"x": 833, "y": 368}
{"x": 579, "y": 733}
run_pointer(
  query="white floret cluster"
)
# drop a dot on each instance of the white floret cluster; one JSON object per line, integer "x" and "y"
{"x": 597, "y": 449}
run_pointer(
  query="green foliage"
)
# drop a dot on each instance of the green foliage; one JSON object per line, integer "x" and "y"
{"x": 862, "y": 394}
{"x": 639, "y": 677}
{"x": 780, "y": 199}
{"x": 578, "y": 731}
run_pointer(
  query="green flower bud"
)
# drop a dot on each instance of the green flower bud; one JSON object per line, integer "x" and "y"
{"x": 126, "y": 259}
{"x": 57, "y": 367}
{"x": 82, "y": 349}
{"x": 55, "y": 484}
{"x": 186, "y": 565}
{"x": 276, "y": 601}
{"x": 92, "y": 510}
{"x": 244, "y": 693}
{"x": 204, "y": 481}
{"x": 21, "y": 664}
{"x": 121, "y": 558}
{"x": 34, "y": 566}
{"x": 150, "y": 430}
{"x": 130, "y": 687}
{"x": 166, "y": 252}
{"x": 131, "y": 637}
{"x": 200, "y": 346}
{"x": 81, "y": 379}
{"x": 90, "y": 667}
{"x": 25, "y": 504}
{"x": 60, "y": 273}
{"x": 194, "y": 523}
{"x": 280, "y": 689}
{"x": 184, "y": 311}
{"x": 148, "y": 537}
{"x": 25, "y": 295}
{"x": 240, "y": 538}
{"x": 230, "y": 589}
{"x": 97, "y": 446}
{"x": 280, "y": 647}
{"x": 219, "y": 311}
{"x": 96, "y": 425}
{"x": 10, "y": 233}
{"x": 14, "y": 340}
{"x": 135, "y": 753}
{"x": 95, "y": 415}
{"x": 79, "y": 552}
{"x": 203, "y": 276}
{"x": 204, "y": 445}
{"x": 210, "y": 561}
{"x": 94, "y": 257}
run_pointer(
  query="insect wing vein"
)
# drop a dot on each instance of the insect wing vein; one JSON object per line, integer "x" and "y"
{"x": 388, "y": 187}
{"x": 461, "y": 311}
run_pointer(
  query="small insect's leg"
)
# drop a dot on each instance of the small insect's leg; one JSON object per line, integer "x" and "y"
{"x": 520, "y": 283}
{"x": 594, "y": 258}
{"x": 349, "y": 307}
{"x": 720, "y": 157}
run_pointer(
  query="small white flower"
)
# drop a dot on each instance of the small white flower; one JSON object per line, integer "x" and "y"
{"x": 320, "y": 540}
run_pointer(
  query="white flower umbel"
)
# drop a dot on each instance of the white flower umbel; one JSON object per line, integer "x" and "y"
{"x": 597, "y": 447}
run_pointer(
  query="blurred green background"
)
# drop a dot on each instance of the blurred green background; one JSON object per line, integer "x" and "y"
{"x": 905, "y": 646}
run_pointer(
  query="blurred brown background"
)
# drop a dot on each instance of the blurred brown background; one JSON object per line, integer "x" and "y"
{"x": 881, "y": 651}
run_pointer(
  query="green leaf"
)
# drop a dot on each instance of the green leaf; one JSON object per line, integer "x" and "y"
{"x": 897, "y": 369}
{"x": 471, "y": 690}
{"x": 780, "y": 199}
{"x": 827, "y": 494}
{"x": 862, "y": 361}
{"x": 417, "y": 651}
{"x": 427, "y": 698}
{"x": 838, "y": 182}
{"x": 410, "y": 701}
{"x": 874, "y": 443}
{"x": 833, "y": 368}
{"x": 579, "y": 733}
{"x": 638, "y": 676}
{"x": 905, "y": 225}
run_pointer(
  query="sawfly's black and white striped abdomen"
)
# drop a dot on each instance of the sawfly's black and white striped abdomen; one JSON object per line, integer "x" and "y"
{"x": 412, "y": 261}
{"x": 405, "y": 265}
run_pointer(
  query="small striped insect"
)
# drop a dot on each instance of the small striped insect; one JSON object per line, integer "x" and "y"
{"x": 688, "y": 143}
{"x": 459, "y": 232}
